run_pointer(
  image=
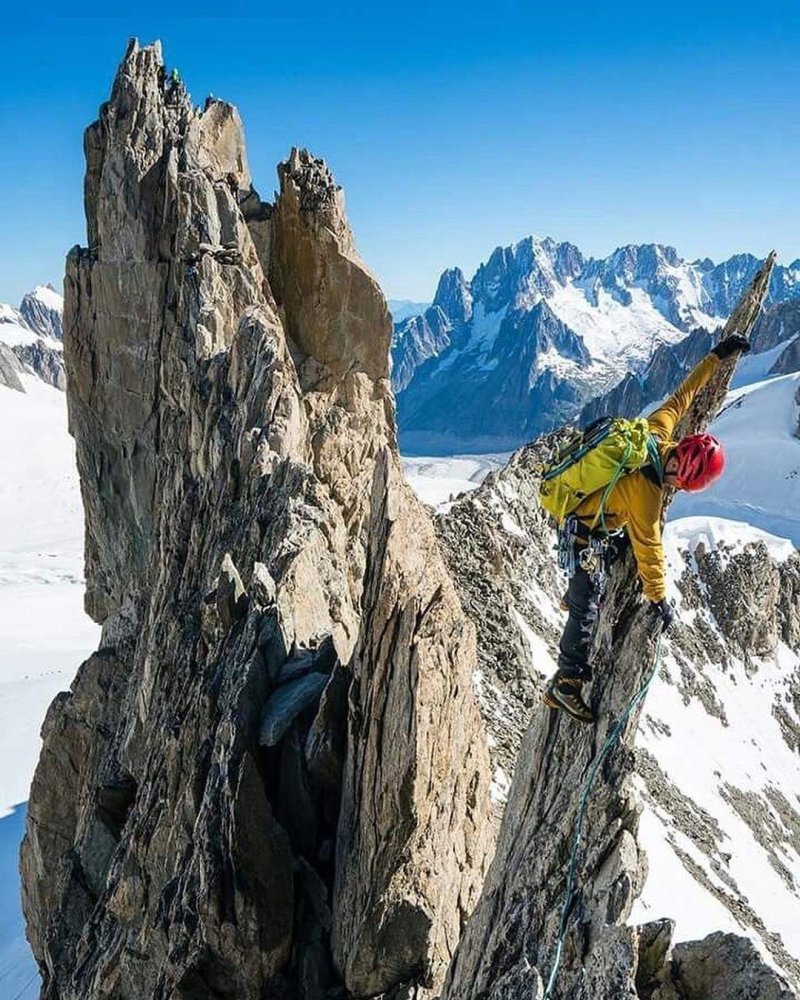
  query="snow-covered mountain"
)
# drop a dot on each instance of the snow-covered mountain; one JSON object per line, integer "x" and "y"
{"x": 31, "y": 338}
{"x": 776, "y": 350}
{"x": 717, "y": 749}
{"x": 38, "y": 316}
{"x": 42, "y": 310}
{"x": 540, "y": 329}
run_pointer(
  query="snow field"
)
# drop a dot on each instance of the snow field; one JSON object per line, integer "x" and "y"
{"x": 44, "y": 634}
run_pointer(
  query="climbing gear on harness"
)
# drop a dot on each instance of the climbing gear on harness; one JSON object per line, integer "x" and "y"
{"x": 572, "y": 872}
{"x": 593, "y": 557}
{"x": 596, "y": 460}
{"x": 565, "y": 545}
{"x": 565, "y": 693}
{"x": 700, "y": 462}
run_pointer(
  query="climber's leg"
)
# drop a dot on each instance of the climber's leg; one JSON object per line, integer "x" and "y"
{"x": 576, "y": 640}
{"x": 564, "y": 689}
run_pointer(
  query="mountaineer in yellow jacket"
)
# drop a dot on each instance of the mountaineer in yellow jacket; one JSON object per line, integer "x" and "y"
{"x": 634, "y": 504}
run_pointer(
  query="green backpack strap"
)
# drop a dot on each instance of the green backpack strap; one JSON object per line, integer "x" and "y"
{"x": 654, "y": 455}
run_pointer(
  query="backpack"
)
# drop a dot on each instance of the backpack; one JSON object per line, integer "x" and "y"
{"x": 607, "y": 450}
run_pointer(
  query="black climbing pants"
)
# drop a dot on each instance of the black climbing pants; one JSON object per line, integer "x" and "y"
{"x": 583, "y": 597}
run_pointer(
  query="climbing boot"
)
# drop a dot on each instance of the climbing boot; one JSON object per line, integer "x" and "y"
{"x": 547, "y": 698}
{"x": 565, "y": 692}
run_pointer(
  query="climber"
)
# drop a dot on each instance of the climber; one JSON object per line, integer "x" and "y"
{"x": 631, "y": 512}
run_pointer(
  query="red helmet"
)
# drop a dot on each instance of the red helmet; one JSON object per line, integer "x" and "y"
{"x": 700, "y": 462}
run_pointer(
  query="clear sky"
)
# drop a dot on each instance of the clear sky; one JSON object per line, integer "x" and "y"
{"x": 453, "y": 128}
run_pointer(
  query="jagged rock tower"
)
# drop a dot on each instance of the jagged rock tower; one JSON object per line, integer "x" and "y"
{"x": 271, "y": 779}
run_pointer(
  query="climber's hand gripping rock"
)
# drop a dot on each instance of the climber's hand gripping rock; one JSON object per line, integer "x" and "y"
{"x": 660, "y": 616}
{"x": 730, "y": 345}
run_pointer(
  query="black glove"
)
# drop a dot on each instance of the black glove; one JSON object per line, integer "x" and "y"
{"x": 661, "y": 615}
{"x": 730, "y": 345}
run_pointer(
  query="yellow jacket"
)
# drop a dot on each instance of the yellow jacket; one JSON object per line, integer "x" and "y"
{"x": 635, "y": 502}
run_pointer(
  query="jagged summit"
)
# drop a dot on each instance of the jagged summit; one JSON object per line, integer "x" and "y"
{"x": 30, "y": 339}
{"x": 245, "y": 764}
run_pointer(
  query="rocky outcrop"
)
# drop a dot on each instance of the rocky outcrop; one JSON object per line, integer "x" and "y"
{"x": 46, "y": 362}
{"x": 789, "y": 359}
{"x": 724, "y": 967}
{"x": 33, "y": 359}
{"x": 199, "y": 826}
{"x": 10, "y": 369}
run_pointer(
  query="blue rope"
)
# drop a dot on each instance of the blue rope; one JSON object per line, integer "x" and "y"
{"x": 613, "y": 736}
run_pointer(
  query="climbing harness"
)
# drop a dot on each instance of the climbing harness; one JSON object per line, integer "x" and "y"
{"x": 613, "y": 736}
{"x": 594, "y": 556}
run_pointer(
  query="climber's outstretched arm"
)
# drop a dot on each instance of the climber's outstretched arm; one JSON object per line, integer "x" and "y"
{"x": 665, "y": 419}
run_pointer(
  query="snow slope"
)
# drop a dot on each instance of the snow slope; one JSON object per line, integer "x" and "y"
{"x": 761, "y": 484}
{"x": 44, "y": 634}
{"x": 732, "y": 768}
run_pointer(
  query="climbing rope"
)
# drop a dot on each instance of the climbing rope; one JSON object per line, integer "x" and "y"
{"x": 613, "y": 736}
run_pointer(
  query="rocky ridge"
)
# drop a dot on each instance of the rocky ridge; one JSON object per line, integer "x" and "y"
{"x": 200, "y": 824}
{"x": 509, "y": 944}
{"x": 738, "y": 609}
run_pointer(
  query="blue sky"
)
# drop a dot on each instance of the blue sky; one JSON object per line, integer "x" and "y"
{"x": 453, "y": 128}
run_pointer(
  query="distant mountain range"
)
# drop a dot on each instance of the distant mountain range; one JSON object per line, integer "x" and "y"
{"x": 403, "y": 308}
{"x": 31, "y": 339}
{"x": 540, "y": 330}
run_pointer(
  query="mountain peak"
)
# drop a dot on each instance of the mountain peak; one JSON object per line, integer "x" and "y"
{"x": 454, "y": 296}
{"x": 42, "y": 310}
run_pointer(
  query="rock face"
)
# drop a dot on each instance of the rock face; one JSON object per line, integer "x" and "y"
{"x": 44, "y": 361}
{"x": 789, "y": 359}
{"x": 724, "y": 967}
{"x": 10, "y": 369}
{"x": 247, "y": 522}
